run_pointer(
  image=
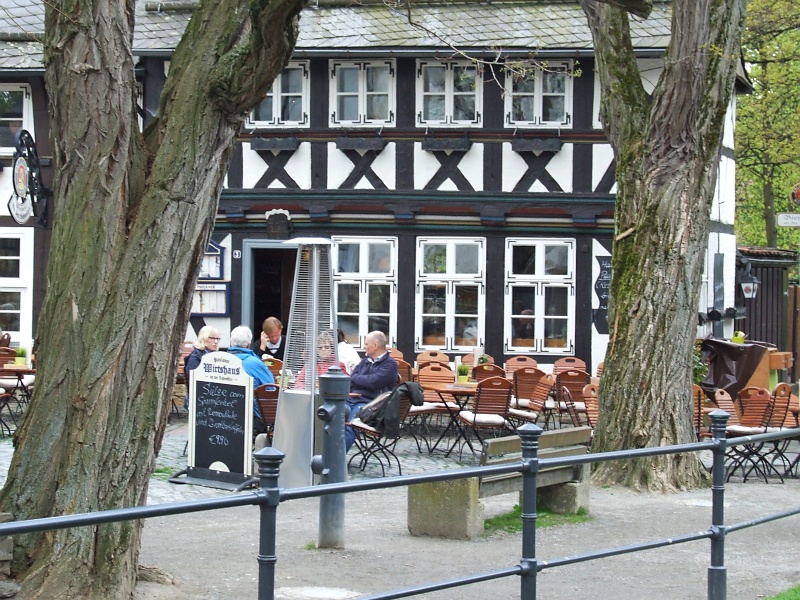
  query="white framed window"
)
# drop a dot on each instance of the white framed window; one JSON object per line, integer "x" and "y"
{"x": 451, "y": 293}
{"x": 362, "y": 93}
{"x": 540, "y": 98}
{"x": 16, "y": 283}
{"x": 365, "y": 287}
{"x": 449, "y": 93}
{"x": 286, "y": 103}
{"x": 540, "y": 296}
{"x": 16, "y": 112}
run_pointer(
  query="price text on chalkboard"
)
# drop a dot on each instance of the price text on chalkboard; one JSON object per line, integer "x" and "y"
{"x": 602, "y": 287}
{"x": 219, "y": 425}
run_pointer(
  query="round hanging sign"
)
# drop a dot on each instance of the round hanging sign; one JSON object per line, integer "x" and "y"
{"x": 20, "y": 208}
{"x": 21, "y": 174}
{"x": 796, "y": 194}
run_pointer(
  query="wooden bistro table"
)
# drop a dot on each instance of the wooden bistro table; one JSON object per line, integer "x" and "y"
{"x": 461, "y": 395}
{"x": 20, "y": 371}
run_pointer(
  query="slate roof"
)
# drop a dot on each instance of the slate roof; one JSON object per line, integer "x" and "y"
{"x": 505, "y": 25}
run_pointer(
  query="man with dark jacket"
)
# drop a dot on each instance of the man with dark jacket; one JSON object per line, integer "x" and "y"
{"x": 375, "y": 374}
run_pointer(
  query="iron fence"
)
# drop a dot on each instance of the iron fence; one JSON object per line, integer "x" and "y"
{"x": 269, "y": 496}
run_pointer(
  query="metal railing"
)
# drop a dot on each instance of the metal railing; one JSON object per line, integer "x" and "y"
{"x": 269, "y": 496}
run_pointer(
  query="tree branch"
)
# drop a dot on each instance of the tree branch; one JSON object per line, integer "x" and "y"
{"x": 640, "y": 8}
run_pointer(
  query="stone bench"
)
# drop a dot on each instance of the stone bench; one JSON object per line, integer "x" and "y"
{"x": 452, "y": 509}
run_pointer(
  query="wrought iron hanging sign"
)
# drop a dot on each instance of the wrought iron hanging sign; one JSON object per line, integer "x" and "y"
{"x": 30, "y": 195}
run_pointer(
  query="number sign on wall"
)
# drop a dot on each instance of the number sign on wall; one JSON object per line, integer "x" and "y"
{"x": 221, "y": 420}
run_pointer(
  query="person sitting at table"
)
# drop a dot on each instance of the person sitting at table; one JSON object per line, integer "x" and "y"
{"x": 207, "y": 341}
{"x": 375, "y": 374}
{"x": 271, "y": 341}
{"x": 326, "y": 358}
{"x": 347, "y": 354}
{"x": 241, "y": 337}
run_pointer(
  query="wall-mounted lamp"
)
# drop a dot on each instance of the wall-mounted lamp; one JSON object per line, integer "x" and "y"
{"x": 749, "y": 285}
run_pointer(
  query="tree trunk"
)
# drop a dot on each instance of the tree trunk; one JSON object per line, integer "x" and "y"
{"x": 133, "y": 218}
{"x": 770, "y": 222}
{"x": 667, "y": 153}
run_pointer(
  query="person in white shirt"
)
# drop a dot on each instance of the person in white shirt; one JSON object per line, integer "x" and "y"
{"x": 347, "y": 354}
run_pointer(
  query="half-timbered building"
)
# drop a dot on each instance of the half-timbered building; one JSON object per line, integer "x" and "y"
{"x": 468, "y": 204}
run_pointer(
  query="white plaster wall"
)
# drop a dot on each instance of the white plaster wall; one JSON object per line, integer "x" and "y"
{"x": 559, "y": 168}
{"x": 340, "y": 167}
{"x": 426, "y": 165}
{"x": 602, "y": 157}
{"x": 298, "y": 167}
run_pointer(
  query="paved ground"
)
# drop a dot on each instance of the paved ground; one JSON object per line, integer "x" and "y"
{"x": 213, "y": 555}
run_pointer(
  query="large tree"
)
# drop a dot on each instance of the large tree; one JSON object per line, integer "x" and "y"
{"x": 667, "y": 150}
{"x": 133, "y": 217}
{"x": 767, "y": 128}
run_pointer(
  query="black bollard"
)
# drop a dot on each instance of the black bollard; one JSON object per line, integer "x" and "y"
{"x": 334, "y": 388}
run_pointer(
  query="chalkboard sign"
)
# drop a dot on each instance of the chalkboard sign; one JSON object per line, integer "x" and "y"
{"x": 719, "y": 292}
{"x": 602, "y": 287}
{"x": 221, "y": 420}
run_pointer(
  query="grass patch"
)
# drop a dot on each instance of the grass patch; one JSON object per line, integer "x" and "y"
{"x": 162, "y": 473}
{"x": 792, "y": 594}
{"x": 311, "y": 546}
{"x": 511, "y": 522}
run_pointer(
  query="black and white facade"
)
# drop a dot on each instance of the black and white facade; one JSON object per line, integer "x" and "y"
{"x": 468, "y": 206}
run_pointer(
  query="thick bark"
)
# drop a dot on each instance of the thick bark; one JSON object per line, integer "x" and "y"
{"x": 133, "y": 218}
{"x": 667, "y": 155}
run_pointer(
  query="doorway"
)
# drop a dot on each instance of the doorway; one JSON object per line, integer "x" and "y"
{"x": 273, "y": 278}
{"x": 267, "y": 278}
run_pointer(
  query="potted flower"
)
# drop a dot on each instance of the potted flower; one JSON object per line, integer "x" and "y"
{"x": 22, "y": 357}
{"x": 462, "y": 373}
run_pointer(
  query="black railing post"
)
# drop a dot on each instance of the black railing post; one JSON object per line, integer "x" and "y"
{"x": 269, "y": 465}
{"x": 717, "y": 572}
{"x": 529, "y": 436}
{"x": 334, "y": 388}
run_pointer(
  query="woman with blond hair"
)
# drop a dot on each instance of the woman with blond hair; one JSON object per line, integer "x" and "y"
{"x": 207, "y": 341}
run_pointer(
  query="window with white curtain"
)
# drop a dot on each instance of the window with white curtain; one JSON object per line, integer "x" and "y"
{"x": 16, "y": 113}
{"x": 286, "y": 104}
{"x": 540, "y": 296}
{"x": 539, "y": 97}
{"x": 362, "y": 93}
{"x": 449, "y": 93}
{"x": 16, "y": 283}
{"x": 365, "y": 284}
{"x": 451, "y": 293}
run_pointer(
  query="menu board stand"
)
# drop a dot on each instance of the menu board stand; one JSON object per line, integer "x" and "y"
{"x": 220, "y": 424}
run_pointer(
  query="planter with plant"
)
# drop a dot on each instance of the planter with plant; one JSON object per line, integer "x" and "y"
{"x": 462, "y": 372}
{"x": 22, "y": 357}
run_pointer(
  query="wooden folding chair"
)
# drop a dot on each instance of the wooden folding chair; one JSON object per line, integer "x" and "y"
{"x": 404, "y": 371}
{"x": 573, "y": 380}
{"x": 373, "y": 442}
{"x": 486, "y": 370}
{"x": 519, "y": 362}
{"x": 568, "y": 363}
{"x": 489, "y": 412}
{"x": 266, "y": 398}
{"x": 591, "y": 402}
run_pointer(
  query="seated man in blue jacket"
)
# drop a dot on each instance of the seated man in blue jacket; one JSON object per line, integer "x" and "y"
{"x": 375, "y": 374}
{"x": 241, "y": 338}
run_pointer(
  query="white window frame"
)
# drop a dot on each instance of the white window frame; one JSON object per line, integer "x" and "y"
{"x": 451, "y": 280}
{"x": 536, "y": 73}
{"x": 23, "y": 284}
{"x": 449, "y": 94}
{"x": 277, "y": 93}
{"x": 27, "y": 111}
{"x": 539, "y": 281}
{"x": 363, "y": 93}
{"x": 364, "y": 279}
